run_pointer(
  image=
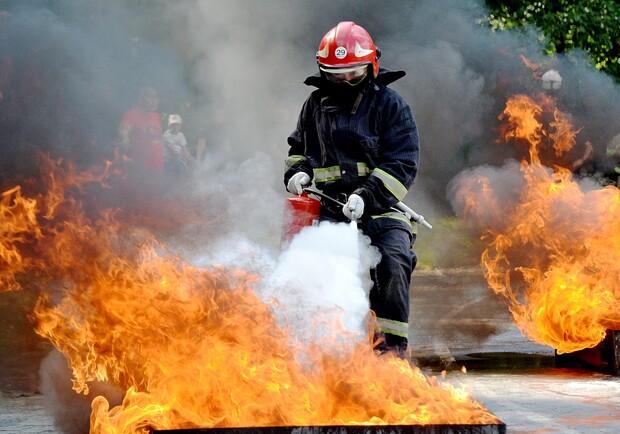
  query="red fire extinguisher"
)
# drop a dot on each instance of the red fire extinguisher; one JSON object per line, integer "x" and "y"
{"x": 299, "y": 212}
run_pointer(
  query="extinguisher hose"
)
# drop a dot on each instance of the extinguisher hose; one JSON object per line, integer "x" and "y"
{"x": 323, "y": 196}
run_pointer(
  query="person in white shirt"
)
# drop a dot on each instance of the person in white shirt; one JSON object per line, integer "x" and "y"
{"x": 177, "y": 157}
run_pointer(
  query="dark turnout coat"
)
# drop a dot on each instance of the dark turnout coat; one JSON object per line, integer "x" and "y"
{"x": 364, "y": 143}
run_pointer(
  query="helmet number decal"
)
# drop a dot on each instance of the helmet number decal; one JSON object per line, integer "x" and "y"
{"x": 341, "y": 52}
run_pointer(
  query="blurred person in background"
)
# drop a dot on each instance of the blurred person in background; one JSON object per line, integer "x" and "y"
{"x": 612, "y": 167}
{"x": 177, "y": 157}
{"x": 140, "y": 134}
{"x": 141, "y": 141}
{"x": 579, "y": 158}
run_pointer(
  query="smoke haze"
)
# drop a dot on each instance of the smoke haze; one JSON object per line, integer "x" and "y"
{"x": 234, "y": 70}
{"x": 69, "y": 69}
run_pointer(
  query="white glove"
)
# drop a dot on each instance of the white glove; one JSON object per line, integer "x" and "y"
{"x": 354, "y": 208}
{"x": 297, "y": 183}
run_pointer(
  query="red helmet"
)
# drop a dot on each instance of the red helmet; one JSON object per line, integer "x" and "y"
{"x": 347, "y": 46}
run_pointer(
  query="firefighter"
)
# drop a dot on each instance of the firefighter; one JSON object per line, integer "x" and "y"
{"x": 357, "y": 140}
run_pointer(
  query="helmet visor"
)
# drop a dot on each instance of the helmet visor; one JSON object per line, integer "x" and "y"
{"x": 352, "y": 75}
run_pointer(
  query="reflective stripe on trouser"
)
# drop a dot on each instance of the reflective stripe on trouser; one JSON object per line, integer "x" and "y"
{"x": 389, "y": 296}
{"x": 397, "y": 328}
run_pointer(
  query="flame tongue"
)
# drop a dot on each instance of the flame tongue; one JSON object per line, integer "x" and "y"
{"x": 197, "y": 348}
{"x": 522, "y": 124}
{"x": 18, "y": 226}
{"x": 554, "y": 250}
{"x": 192, "y": 347}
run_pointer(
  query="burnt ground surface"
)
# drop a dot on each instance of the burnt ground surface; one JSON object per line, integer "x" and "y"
{"x": 456, "y": 323}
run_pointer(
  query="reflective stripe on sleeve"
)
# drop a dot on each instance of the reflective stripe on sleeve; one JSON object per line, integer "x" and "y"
{"x": 293, "y": 159}
{"x": 392, "y": 327}
{"x": 393, "y": 185}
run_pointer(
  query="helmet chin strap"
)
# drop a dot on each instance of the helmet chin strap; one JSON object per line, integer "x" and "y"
{"x": 358, "y": 100}
{"x": 358, "y": 90}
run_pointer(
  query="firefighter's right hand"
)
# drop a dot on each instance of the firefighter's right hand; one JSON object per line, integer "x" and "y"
{"x": 297, "y": 182}
{"x": 354, "y": 208}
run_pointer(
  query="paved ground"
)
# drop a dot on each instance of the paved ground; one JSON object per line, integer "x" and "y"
{"x": 456, "y": 321}
{"x": 514, "y": 378}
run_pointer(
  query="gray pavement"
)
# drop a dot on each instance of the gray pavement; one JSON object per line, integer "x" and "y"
{"x": 457, "y": 321}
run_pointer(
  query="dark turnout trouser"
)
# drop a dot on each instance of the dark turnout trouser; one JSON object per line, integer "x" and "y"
{"x": 389, "y": 296}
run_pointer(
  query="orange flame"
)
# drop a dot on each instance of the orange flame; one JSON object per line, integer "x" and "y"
{"x": 18, "y": 225}
{"x": 535, "y": 67}
{"x": 193, "y": 347}
{"x": 553, "y": 250}
{"x": 523, "y": 123}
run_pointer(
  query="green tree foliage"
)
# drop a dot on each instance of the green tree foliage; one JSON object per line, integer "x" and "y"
{"x": 589, "y": 25}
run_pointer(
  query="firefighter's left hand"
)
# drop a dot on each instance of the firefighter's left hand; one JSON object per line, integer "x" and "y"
{"x": 354, "y": 208}
{"x": 297, "y": 183}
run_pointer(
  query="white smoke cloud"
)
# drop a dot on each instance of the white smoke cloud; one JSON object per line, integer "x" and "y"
{"x": 71, "y": 411}
{"x": 322, "y": 280}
